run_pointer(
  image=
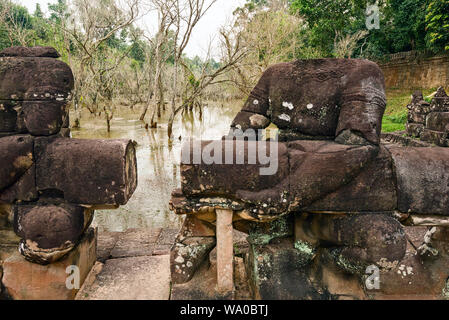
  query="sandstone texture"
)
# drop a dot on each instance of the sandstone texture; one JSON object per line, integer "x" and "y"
{"x": 50, "y": 183}
{"x": 429, "y": 121}
{"x": 335, "y": 209}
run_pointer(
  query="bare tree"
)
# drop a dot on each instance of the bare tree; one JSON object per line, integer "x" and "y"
{"x": 15, "y": 28}
{"x": 165, "y": 21}
{"x": 344, "y": 45}
{"x": 185, "y": 15}
{"x": 231, "y": 55}
{"x": 270, "y": 34}
{"x": 92, "y": 23}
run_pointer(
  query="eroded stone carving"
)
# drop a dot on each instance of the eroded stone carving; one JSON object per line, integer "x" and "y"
{"x": 342, "y": 202}
{"x": 53, "y": 182}
{"x": 429, "y": 121}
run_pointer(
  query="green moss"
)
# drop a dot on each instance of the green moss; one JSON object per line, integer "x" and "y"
{"x": 264, "y": 233}
{"x": 260, "y": 239}
{"x": 261, "y": 264}
{"x": 445, "y": 292}
{"x": 306, "y": 252}
{"x": 304, "y": 247}
{"x": 347, "y": 265}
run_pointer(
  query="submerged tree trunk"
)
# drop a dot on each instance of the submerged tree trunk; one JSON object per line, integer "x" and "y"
{"x": 144, "y": 112}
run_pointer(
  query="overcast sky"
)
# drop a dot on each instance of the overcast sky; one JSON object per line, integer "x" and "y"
{"x": 206, "y": 29}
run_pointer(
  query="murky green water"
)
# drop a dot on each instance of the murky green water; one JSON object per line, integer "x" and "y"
{"x": 157, "y": 161}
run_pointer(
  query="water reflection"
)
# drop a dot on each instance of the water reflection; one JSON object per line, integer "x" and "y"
{"x": 157, "y": 161}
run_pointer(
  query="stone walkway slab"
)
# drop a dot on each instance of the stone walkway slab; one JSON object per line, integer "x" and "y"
{"x": 134, "y": 278}
{"x": 135, "y": 242}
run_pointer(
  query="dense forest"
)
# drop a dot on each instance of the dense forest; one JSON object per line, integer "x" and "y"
{"x": 116, "y": 62}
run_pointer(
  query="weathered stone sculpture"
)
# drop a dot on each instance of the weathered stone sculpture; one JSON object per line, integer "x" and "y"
{"x": 50, "y": 182}
{"x": 341, "y": 200}
{"x": 429, "y": 121}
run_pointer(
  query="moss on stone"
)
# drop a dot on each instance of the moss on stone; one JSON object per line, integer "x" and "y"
{"x": 263, "y": 234}
{"x": 345, "y": 264}
{"x": 305, "y": 252}
{"x": 445, "y": 292}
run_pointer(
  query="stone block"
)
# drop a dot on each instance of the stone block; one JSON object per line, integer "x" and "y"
{"x": 414, "y": 129}
{"x": 278, "y": 271}
{"x": 417, "y": 117}
{"x": 440, "y": 102}
{"x": 37, "y": 51}
{"x": 22, "y": 190}
{"x": 135, "y": 242}
{"x": 16, "y": 158}
{"x": 105, "y": 243}
{"x": 8, "y": 120}
{"x": 373, "y": 190}
{"x": 88, "y": 172}
{"x": 435, "y": 137}
{"x": 34, "y": 78}
{"x": 438, "y": 121}
{"x": 24, "y": 280}
{"x": 422, "y": 179}
{"x": 417, "y": 277}
{"x": 167, "y": 236}
{"x": 133, "y": 278}
{"x": 339, "y": 284}
{"x": 8, "y": 244}
{"x": 44, "y": 118}
{"x": 203, "y": 285}
{"x": 186, "y": 257}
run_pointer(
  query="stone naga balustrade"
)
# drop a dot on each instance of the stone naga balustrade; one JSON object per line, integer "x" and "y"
{"x": 332, "y": 209}
{"x": 52, "y": 183}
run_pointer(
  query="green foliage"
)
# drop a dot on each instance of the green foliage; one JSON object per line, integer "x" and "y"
{"x": 394, "y": 122}
{"x": 38, "y": 12}
{"x": 388, "y": 126}
{"x": 404, "y": 24}
{"x": 58, "y": 11}
{"x": 326, "y": 17}
{"x": 395, "y": 116}
{"x": 408, "y": 30}
{"x": 400, "y": 117}
{"x": 437, "y": 19}
{"x": 193, "y": 82}
{"x": 137, "y": 51}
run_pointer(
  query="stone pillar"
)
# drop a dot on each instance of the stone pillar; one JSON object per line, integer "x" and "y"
{"x": 225, "y": 251}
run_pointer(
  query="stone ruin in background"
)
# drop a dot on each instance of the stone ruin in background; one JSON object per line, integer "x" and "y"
{"x": 344, "y": 217}
{"x": 429, "y": 121}
{"x": 50, "y": 184}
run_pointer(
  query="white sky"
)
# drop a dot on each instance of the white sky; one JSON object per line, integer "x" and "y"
{"x": 204, "y": 31}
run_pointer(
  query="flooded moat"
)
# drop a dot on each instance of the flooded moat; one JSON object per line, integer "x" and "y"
{"x": 157, "y": 160}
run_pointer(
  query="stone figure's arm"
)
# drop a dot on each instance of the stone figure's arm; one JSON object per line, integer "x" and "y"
{"x": 254, "y": 112}
{"x": 362, "y": 105}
